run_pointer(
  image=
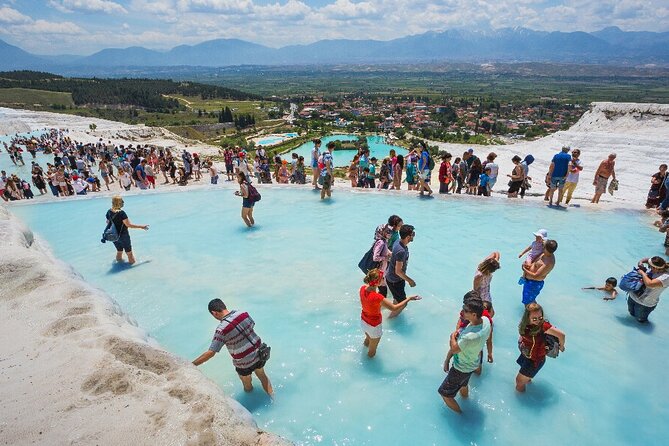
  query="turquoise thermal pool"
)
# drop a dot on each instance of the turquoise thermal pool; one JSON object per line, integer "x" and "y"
{"x": 378, "y": 147}
{"x": 296, "y": 275}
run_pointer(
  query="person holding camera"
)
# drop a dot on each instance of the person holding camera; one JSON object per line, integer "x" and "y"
{"x": 655, "y": 279}
{"x": 248, "y": 352}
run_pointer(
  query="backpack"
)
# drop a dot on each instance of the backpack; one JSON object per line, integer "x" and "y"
{"x": 110, "y": 234}
{"x": 430, "y": 162}
{"x": 254, "y": 195}
{"x": 632, "y": 282}
{"x": 367, "y": 262}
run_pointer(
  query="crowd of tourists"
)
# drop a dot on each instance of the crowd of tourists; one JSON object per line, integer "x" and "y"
{"x": 79, "y": 169}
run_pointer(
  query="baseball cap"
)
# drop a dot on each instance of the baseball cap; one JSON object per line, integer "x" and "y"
{"x": 542, "y": 233}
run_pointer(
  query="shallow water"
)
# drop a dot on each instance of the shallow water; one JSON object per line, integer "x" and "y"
{"x": 378, "y": 147}
{"x": 23, "y": 172}
{"x": 275, "y": 139}
{"x": 296, "y": 274}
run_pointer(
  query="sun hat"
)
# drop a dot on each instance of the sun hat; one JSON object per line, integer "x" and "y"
{"x": 541, "y": 233}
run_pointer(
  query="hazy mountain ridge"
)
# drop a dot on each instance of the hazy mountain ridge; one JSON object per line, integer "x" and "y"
{"x": 610, "y": 45}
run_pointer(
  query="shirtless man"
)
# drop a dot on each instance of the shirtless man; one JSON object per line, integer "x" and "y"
{"x": 605, "y": 170}
{"x": 535, "y": 273}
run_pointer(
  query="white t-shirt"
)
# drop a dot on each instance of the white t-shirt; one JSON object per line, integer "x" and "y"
{"x": 651, "y": 296}
{"x": 494, "y": 169}
{"x": 78, "y": 185}
{"x": 126, "y": 179}
{"x": 572, "y": 177}
{"x": 243, "y": 166}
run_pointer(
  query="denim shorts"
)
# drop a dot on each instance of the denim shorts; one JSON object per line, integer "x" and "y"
{"x": 527, "y": 367}
{"x": 557, "y": 182}
{"x": 247, "y": 203}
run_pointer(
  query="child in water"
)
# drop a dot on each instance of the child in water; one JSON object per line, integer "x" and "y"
{"x": 609, "y": 288}
{"x": 536, "y": 248}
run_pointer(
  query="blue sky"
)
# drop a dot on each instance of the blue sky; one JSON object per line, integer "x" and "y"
{"x": 86, "y": 26}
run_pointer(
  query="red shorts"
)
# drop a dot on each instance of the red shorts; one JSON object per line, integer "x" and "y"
{"x": 151, "y": 179}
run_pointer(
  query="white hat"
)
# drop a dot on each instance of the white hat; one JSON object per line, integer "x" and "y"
{"x": 542, "y": 233}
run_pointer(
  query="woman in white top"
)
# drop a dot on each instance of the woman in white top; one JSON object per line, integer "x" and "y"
{"x": 483, "y": 277}
{"x": 656, "y": 281}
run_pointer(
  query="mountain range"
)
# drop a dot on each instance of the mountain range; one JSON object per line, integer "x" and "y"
{"x": 608, "y": 46}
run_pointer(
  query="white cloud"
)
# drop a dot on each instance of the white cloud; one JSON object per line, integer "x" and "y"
{"x": 346, "y": 9}
{"x": 106, "y": 6}
{"x": 45, "y": 27}
{"x": 218, "y": 6}
{"x": 10, "y": 15}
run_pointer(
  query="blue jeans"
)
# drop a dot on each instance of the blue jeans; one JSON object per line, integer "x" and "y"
{"x": 640, "y": 312}
{"x": 665, "y": 203}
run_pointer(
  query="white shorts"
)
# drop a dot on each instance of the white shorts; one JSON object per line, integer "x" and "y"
{"x": 372, "y": 332}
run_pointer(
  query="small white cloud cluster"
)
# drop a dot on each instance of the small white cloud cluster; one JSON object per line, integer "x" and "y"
{"x": 90, "y": 6}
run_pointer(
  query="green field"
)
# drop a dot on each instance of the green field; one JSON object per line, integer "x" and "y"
{"x": 24, "y": 96}
{"x": 215, "y": 105}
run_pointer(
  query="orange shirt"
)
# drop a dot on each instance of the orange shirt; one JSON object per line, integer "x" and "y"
{"x": 371, "y": 306}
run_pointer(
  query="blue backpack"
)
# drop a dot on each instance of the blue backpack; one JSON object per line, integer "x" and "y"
{"x": 632, "y": 282}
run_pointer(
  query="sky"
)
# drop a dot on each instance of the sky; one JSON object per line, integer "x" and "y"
{"x": 83, "y": 27}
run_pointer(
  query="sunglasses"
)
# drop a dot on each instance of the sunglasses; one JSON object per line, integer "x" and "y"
{"x": 535, "y": 319}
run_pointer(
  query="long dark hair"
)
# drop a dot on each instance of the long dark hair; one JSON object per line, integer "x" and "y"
{"x": 400, "y": 161}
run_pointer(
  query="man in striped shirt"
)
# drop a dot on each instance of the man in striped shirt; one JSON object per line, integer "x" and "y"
{"x": 236, "y": 332}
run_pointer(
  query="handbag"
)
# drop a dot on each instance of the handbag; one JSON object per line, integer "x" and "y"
{"x": 552, "y": 346}
{"x": 367, "y": 262}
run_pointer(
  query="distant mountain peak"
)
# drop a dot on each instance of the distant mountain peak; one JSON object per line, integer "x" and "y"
{"x": 463, "y": 44}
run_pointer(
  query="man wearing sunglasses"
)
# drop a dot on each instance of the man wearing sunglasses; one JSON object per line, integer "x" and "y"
{"x": 396, "y": 274}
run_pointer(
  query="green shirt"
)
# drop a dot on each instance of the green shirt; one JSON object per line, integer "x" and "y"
{"x": 471, "y": 342}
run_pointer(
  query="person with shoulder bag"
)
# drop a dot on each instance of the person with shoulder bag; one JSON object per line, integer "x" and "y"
{"x": 534, "y": 343}
{"x": 249, "y": 353}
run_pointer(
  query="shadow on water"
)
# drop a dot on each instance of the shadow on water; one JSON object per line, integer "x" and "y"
{"x": 372, "y": 366}
{"x": 629, "y": 321}
{"x": 255, "y": 399}
{"x": 467, "y": 426}
{"x": 538, "y": 395}
{"x": 243, "y": 229}
{"x": 400, "y": 325}
{"x": 118, "y": 267}
{"x": 556, "y": 207}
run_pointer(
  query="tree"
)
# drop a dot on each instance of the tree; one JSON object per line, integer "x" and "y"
{"x": 92, "y": 127}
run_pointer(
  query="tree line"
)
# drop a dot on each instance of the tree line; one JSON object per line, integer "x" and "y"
{"x": 146, "y": 93}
